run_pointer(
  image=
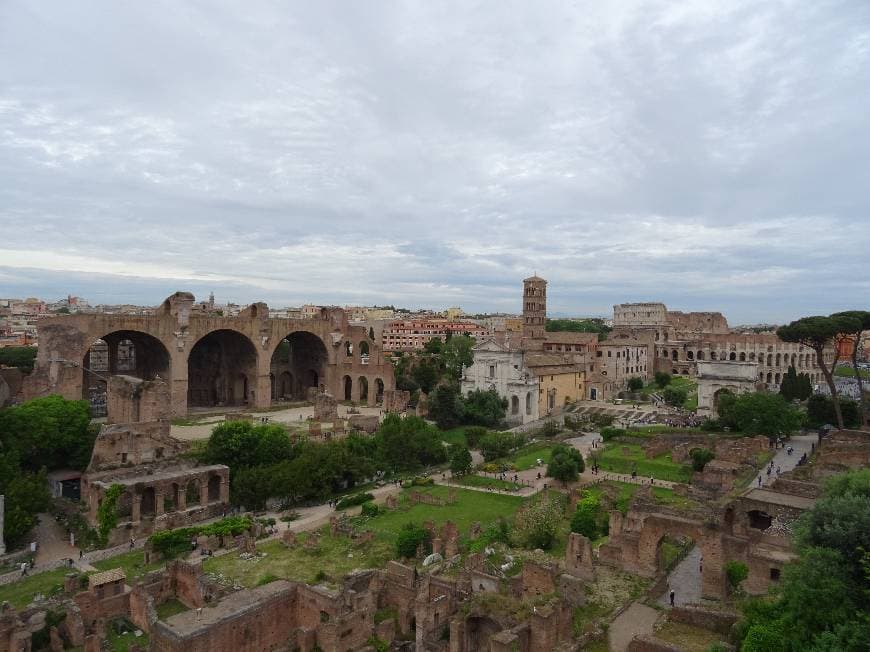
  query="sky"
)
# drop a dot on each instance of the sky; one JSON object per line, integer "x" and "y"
{"x": 714, "y": 155}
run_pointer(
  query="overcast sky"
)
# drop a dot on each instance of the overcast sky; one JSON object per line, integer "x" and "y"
{"x": 714, "y": 155}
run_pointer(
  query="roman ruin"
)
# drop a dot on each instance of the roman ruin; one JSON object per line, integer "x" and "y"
{"x": 209, "y": 360}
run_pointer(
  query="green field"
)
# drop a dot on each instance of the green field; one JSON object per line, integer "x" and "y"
{"x": 133, "y": 564}
{"x": 486, "y": 483}
{"x": 527, "y": 457}
{"x": 848, "y": 372}
{"x": 20, "y": 594}
{"x": 454, "y": 436}
{"x": 624, "y": 458}
{"x": 337, "y": 556}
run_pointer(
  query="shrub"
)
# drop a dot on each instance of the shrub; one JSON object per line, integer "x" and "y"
{"x": 419, "y": 481}
{"x": 675, "y": 396}
{"x": 603, "y": 420}
{"x": 474, "y": 434}
{"x": 537, "y": 522}
{"x": 635, "y": 384}
{"x": 711, "y": 425}
{"x": 549, "y": 429}
{"x": 171, "y": 543}
{"x": 409, "y": 539}
{"x": 589, "y": 519}
{"x": 662, "y": 379}
{"x": 736, "y": 572}
{"x": 370, "y": 509}
{"x": 700, "y": 457}
{"x": 356, "y": 499}
{"x": 609, "y": 433}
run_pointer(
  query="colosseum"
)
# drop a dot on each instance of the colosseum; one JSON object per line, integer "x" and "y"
{"x": 210, "y": 360}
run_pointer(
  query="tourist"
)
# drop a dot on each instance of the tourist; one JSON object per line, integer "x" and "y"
{"x": 672, "y": 596}
{"x": 23, "y": 568}
{"x": 132, "y": 542}
{"x": 759, "y": 481}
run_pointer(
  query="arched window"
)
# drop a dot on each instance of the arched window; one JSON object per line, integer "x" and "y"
{"x": 528, "y": 402}
{"x": 743, "y": 356}
{"x": 515, "y": 405}
{"x": 732, "y": 357}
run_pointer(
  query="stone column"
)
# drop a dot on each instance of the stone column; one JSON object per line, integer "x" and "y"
{"x": 225, "y": 489}
{"x": 203, "y": 491}
{"x": 136, "y": 508}
{"x": 373, "y": 393}
{"x": 158, "y": 503}
{"x": 182, "y": 498}
{"x": 263, "y": 396}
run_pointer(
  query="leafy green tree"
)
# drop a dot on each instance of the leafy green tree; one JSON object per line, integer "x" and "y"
{"x": 762, "y": 413}
{"x": 589, "y": 518}
{"x": 425, "y": 373}
{"x": 578, "y": 326}
{"x": 51, "y": 432}
{"x": 820, "y": 333}
{"x": 635, "y": 383}
{"x": 662, "y": 379}
{"x": 410, "y": 537}
{"x": 458, "y": 355}
{"x": 537, "y": 522}
{"x": 860, "y": 320}
{"x": 408, "y": 443}
{"x": 700, "y": 457}
{"x": 446, "y": 406}
{"x": 736, "y": 572}
{"x": 474, "y": 434}
{"x": 820, "y": 411}
{"x": 675, "y": 396}
{"x": 566, "y": 463}
{"x": 484, "y": 408}
{"x": 20, "y": 357}
{"x": 26, "y": 496}
{"x": 242, "y": 443}
{"x": 796, "y": 386}
{"x": 460, "y": 460}
{"x": 433, "y": 346}
{"x": 498, "y": 444}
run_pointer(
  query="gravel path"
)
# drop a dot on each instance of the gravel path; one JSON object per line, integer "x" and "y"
{"x": 638, "y": 619}
{"x": 685, "y": 581}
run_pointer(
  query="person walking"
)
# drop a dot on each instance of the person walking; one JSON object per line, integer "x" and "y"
{"x": 672, "y": 596}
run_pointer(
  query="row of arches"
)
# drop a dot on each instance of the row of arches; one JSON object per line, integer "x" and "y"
{"x": 359, "y": 391}
{"x": 798, "y": 361}
{"x": 515, "y": 404}
{"x": 175, "y": 497}
{"x": 222, "y": 366}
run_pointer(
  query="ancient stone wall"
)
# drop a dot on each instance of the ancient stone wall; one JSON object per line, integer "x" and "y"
{"x": 130, "y": 399}
{"x": 131, "y": 444}
{"x": 712, "y": 620}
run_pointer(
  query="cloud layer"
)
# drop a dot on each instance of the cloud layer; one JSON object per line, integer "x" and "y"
{"x": 713, "y": 155}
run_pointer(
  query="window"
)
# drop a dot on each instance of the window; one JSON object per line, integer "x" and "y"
{"x": 774, "y": 574}
{"x": 492, "y": 371}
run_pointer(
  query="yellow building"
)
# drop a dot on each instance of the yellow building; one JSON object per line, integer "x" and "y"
{"x": 558, "y": 383}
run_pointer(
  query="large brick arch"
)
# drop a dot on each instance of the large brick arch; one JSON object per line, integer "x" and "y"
{"x": 179, "y": 324}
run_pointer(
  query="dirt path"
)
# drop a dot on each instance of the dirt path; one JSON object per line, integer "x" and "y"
{"x": 638, "y": 619}
{"x": 800, "y": 443}
{"x": 685, "y": 581}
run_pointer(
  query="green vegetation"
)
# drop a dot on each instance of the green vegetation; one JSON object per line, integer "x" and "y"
{"x": 758, "y": 413}
{"x": 700, "y": 457}
{"x": 171, "y": 543}
{"x": 822, "y": 601}
{"x": 170, "y": 608}
{"x": 590, "y": 519}
{"x": 820, "y": 412}
{"x": 848, "y": 372}
{"x": 457, "y": 436}
{"x": 579, "y": 326}
{"x": 132, "y": 562}
{"x": 20, "y": 357}
{"x": 662, "y": 379}
{"x": 496, "y": 445}
{"x": 480, "y": 407}
{"x": 20, "y": 594}
{"x": 460, "y": 460}
{"x": 411, "y": 537}
{"x": 795, "y": 386}
{"x": 565, "y": 464}
{"x": 107, "y": 512}
{"x": 688, "y": 637}
{"x": 123, "y": 640}
{"x": 527, "y": 457}
{"x": 537, "y": 521}
{"x": 486, "y": 483}
{"x": 736, "y": 572}
{"x": 354, "y": 500}
{"x": 625, "y": 458}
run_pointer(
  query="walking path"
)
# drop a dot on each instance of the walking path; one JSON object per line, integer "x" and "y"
{"x": 638, "y": 619}
{"x": 685, "y": 581}
{"x": 801, "y": 444}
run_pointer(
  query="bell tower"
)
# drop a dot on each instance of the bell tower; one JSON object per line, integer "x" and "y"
{"x": 534, "y": 312}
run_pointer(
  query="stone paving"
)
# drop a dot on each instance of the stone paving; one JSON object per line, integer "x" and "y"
{"x": 685, "y": 581}
{"x": 801, "y": 444}
{"x": 638, "y": 619}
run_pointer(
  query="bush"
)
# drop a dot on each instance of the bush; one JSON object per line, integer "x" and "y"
{"x": 351, "y": 501}
{"x": 662, "y": 379}
{"x": 603, "y": 420}
{"x": 736, "y": 572}
{"x": 370, "y": 509}
{"x": 419, "y": 481}
{"x": 609, "y": 433}
{"x": 499, "y": 444}
{"x": 635, "y": 384}
{"x": 700, "y": 457}
{"x": 589, "y": 519}
{"x": 409, "y": 539}
{"x": 537, "y": 522}
{"x": 171, "y": 543}
{"x": 565, "y": 463}
{"x": 675, "y": 396}
{"x": 549, "y": 429}
{"x": 820, "y": 411}
{"x": 474, "y": 434}
{"x": 484, "y": 408}
{"x": 711, "y": 425}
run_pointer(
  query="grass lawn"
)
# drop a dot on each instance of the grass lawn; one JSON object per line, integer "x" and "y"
{"x": 454, "y": 436}
{"x": 470, "y": 506}
{"x": 337, "y": 556}
{"x": 20, "y": 594}
{"x": 123, "y": 642}
{"x": 662, "y": 495}
{"x": 486, "y": 483}
{"x": 527, "y": 457}
{"x": 624, "y": 458}
{"x": 170, "y": 608}
{"x": 848, "y": 372}
{"x": 133, "y": 564}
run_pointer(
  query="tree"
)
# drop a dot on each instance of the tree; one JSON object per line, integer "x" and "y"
{"x": 820, "y": 333}
{"x": 820, "y": 411}
{"x": 484, "y": 408}
{"x": 565, "y": 463}
{"x": 425, "y": 374}
{"x": 861, "y": 323}
{"x": 446, "y": 407}
{"x": 474, "y": 434}
{"x": 242, "y": 444}
{"x": 762, "y": 413}
{"x": 537, "y": 522}
{"x": 700, "y": 457}
{"x": 434, "y": 346}
{"x": 26, "y": 496}
{"x": 20, "y": 357}
{"x": 411, "y": 537}
{"x": 51, "y": 432}
{"x": 589, "y": 518}
{"x": 675, "y": 396}
{"x": 460, "y": 460}
{"x": 736, "y": 572}
{"x": 635, "y": 384}
{"x": 662, "y": 379}
{"x": 795, "y": 386}
{"x": 457, "y": 355}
